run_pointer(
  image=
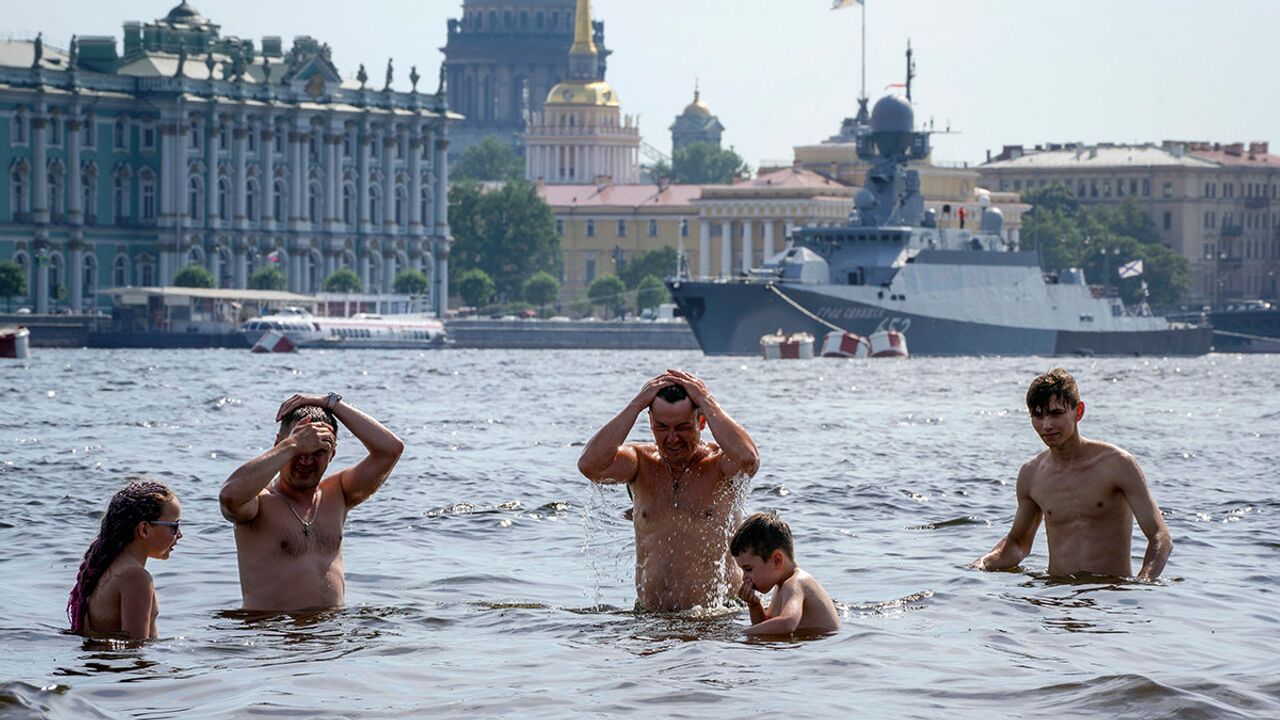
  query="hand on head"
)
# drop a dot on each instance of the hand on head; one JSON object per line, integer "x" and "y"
{"x": 298, "y": 400}
{"x": 692, "y": 385}
{"x": 311, "y": 436}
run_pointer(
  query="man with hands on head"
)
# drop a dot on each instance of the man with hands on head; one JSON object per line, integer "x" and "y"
{"x": 684, "y": 490}
{"x": 289, "y": 516}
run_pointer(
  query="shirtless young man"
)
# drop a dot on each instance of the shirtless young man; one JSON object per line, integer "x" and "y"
{"x": 683, "y": 489}
{"x": 289, "y": 516}
{"x": 1088, "y": 493}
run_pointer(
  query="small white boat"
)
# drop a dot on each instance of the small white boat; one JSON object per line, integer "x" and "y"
{"x": 15, "y": 342}
{"x": 796, "y": 346}
{"x": 362, "y": 330}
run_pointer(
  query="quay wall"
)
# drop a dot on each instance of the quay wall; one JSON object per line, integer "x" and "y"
{"x": 551, "y": 335}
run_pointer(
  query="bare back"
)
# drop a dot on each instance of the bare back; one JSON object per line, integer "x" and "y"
{"x": 1087, "y": 516}
{"x": 682, "y": 523}
{"x": 105, "y": 613}
{"x": 818, "y": 613}
{"x": 281, "y": 568}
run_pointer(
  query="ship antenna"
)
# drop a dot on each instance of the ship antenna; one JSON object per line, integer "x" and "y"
{"x": 911, "y": 70}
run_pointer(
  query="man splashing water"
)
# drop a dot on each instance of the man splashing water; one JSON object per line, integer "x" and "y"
{"x": 684, "y": 490}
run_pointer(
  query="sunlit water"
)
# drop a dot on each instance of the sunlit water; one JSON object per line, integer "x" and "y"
{"x": 487, "y": 578}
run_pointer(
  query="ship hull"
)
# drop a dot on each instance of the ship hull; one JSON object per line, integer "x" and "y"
{"x": 730, "y": 318}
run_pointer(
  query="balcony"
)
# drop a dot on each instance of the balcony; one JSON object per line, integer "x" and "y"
{"x": 1232, "y": 230}
{"x": 1257, "y": 201}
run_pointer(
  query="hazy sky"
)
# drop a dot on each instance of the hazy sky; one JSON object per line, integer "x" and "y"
{"x": 781, "y": 73}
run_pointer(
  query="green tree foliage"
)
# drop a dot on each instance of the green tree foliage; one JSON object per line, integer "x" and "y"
{"x": 650, "y": 293}
{"x": 540, "y": 289}
{"x": 508, "y": 233}
{"x": 411, "y": 282}
{"x": 608, "y": 290}
{"x": 12, "y": 282}
{"x": 475, "y": 287}
{"x": 490, "y": 160}
{"x": 1100, "y": 239}
{"x": 193, "y": 276}
{"x": 702, "y": 163}
{"x": 343, "y": 280}
{"x": 660, "y": 263}
{"x": 268, "y": 277}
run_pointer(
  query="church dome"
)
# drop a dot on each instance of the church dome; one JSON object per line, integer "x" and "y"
{"x": 697, "y": 107}
{"x": 185, "y": 14}
{"x": 572, "y": 92}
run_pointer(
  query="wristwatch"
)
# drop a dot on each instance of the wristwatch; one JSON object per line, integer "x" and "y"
{"x": 332, "y": 401}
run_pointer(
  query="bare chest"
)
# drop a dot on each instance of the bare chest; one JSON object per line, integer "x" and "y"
{"x": 284, "y": 533}
{"x": 1078, "y": 495}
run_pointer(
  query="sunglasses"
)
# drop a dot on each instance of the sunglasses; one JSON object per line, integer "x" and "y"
{"x": 173, "y": 524}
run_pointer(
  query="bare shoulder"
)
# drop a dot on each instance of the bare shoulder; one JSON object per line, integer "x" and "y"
{"x": 1113, "y": 456}
{"x": 1031, "y": 467}
{"x": 134, "y": 577}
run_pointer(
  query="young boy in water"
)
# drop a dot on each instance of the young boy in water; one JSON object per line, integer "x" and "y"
{"x": 762, "y": 548}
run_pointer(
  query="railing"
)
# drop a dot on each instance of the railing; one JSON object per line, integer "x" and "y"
{"x": 1257, "y": 201}
{"x": 1232, "y": 230}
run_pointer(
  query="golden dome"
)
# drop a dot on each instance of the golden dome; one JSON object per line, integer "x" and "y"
{"x": 697, "y": 107}
{"x": 573, "y": 92}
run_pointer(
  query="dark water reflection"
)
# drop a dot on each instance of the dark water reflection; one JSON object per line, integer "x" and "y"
{"x": 488, "y": 579}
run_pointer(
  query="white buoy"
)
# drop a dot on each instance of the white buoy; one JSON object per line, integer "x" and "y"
{"x": 15, "y": 342}
{"x": 888, "y": 343}
{"x": 796, "y": 346}
{"x": 839, "y": 344}
{"x": 274, "y": 341}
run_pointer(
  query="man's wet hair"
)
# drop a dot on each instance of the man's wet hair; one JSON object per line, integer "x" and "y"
{"x": 673, "y": 393}
{"x": 1057, "y": 384}
{"x": 761, "y": 534}
{"x": 314, "y": 413}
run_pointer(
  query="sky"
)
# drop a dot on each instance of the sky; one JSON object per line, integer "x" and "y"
{"x": 781, "y": 73}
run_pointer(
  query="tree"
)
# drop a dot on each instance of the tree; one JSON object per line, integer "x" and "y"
{"x": 475, "y": 287}
{"x": 489, "y": 160}
{"x": 650, "y": 293}
{"x": 660, "y": 263}
{"x": 702, "y": 163}
{"x": 343, "y": 280}
{"x": 1100, "y": 239}
{"x": 509, "y": 233}
{"x": 12, "y": 282}
{"x": 193, "y": 276}
{"x": 268, "y": 277}
{"x": 541, "y": 289}
{"x": 411, "y": 282}
{"x": 609, "y": 291}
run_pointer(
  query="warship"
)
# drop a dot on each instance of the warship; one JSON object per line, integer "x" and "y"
{"x": 951, "y": 291}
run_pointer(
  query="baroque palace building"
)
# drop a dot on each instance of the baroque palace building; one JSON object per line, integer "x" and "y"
{"x": 502, "y": 58}
{"x": 1218, "y": 205}
{"x": 192, "y": 147}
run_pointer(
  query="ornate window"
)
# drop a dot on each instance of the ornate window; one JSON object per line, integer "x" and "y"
{"x": 89, "y": 275}
{"x": 119, "y": 135}
{"x": 315, "y": 205}
{"x": 251, "y": 200}
{"x": 224, "y": 198}
{"x": 20, "y": 192}
{"x": 591, "y": 228}
{"x": 120, "y": 271}
{"x": 279, "y": 201}
{"x": 146, "y": 271}
{"x": 18, "y": 129}
{"x": 55, "y": 131}
{"x": 348, "y": 203}
{"x": 88, "y": 138}
{"x": 147, "y": 191}
{"x": 684, "y": 227}
{"x": 195, "y": 198}
{"x": 400, "y": 205}
{"x": 57, "y": 201}
{"x": 424, "y": 201}
{"x": 622, "y": 228}
{"x": 375, "y": 204}
{"x": 148, "y": 137}
{"x": 653, "y": 228}
{"x": 89, "y": 195}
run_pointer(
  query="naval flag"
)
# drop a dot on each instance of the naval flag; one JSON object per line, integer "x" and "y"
{"x": 841, "y": 4}
{"x": 274, "y": 256}
{"x": 1132, "y": 269}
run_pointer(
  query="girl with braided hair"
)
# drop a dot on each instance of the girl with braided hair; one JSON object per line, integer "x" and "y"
{"x": 114, "y": 593}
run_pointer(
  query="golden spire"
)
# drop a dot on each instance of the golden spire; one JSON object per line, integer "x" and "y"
{"x": 583, "y": 42}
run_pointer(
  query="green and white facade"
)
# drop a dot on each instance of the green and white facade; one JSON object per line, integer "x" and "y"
{"x": 121, "y": 168}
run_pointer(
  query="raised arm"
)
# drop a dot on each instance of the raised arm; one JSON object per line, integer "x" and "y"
{"x": 740, "y": 453}
{"x": 1133, "y": 483}
{"x": 1015, "y": 546}
{"x": 607, "y": 458}
{"x": 239, "y": 496}
{"x": 791, "y": 610}
{"x": 363, "y": 479}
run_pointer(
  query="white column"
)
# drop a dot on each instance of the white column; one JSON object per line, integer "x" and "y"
{"x": 75, "y": 274}
{"x": 168, "y": 171}
{"x": 40, "y": 170}
{"x": 388, "y": 181}
{"x": 364, "y": 149}
{"x": 267, "y": 158}
{"x": 40, "y": 265}
{"x": 747, "y": 248}
{"x": 329, "y": 156}
{"x": 297, "y": 183}
{"x": 704, "y": 248}
{"x": 726, "y": 248}
{"x": 211, "y": 173}
{"x": 790, "y": 226}
{"x": 240, "y": 258}
{"x": 768, "y": 239}
{"x": 239, "y": 181}
{"x": 440, "y": 162}
{"x": 415, "y": 182}
{"x": 75, "y": 198}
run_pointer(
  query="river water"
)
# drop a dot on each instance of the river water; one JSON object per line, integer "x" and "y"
{"x": 489, "y": 579}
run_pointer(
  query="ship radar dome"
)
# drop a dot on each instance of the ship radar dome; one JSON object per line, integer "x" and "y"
{"x": 992, "y": 220}
{"x": 892, "y": 114}
{"x": 864, "y": 199}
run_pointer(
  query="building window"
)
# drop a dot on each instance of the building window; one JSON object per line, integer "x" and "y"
{"x": 56, "y": 200}
{"x": 375, "y": 205}
{"x": 348, "y": 202}
{"x": 55, "y": 132}
{"x": 1017, "y": 185}
{"x": 400, "y": 203}
{"x": 1168, "y": 220}
{"x": 1106, "y": 188}
{"x": 1133, "y": 186}
{"x": 195, "y": 198}
{"x": 622, "y": 228}
{"x": 653, "y": 228}
{"x": 559, "y": 222}
{"x": 88, "y": 193}
{"x": 279, "y": 143}
{"x": 591, "y": 228}
{"x": 148, "y": 137}
{"x": 1168, "y": 190}
{"x": 224, "y": 198}
{"x": 1120, "y": 187}
{"x": 194, "y": 138}
{"x": 251, "y": 201}
{"x": 18, "y": 129}
{"x": 1081, "y": 189}
{"x": 684, "y": 228}
{"x": 313, "y": 202}
{"x": 120, "y": 198}
{"x": 1146, "y": 187}
{"x": 279, "y": 206}
{"x": 148, "y": 274}
{"x": 424, "y": 212}
{"x": 222, "y": 137}
{"x": 119, "y": 135}
{"x": 87, "y": 136}
{"x": 590, "y": 269}
{"x": 1093, "y": 188}
{"x": 120, "y": 271}
{"x": 346, "y": 145}
{"x": 19, "y": 194}
{"x": 147, "y": 191}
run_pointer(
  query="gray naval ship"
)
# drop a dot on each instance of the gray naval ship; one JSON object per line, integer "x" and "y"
{"x": 949, "y": 291}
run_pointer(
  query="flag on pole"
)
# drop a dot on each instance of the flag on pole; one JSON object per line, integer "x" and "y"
{"x": 274, "y": 256}
{"x": 842, "y": 4}
{"x": 1132, "y": 269}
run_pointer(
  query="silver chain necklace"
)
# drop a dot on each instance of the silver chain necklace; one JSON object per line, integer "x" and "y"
{"x": 306, "y": 524}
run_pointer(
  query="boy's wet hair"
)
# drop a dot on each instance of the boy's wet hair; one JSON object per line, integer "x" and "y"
{"x": 314, "y": 413}
{"x": 1055, "y": 384}
{"x": 761, "y": 534}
